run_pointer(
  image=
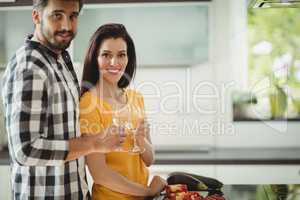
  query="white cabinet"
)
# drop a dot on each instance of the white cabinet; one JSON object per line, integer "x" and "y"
{"x": 258, "y": 174}
{"x": 161, "y": 40}
{"x": 266, "y": 134}
{"x": 5, "y": 182}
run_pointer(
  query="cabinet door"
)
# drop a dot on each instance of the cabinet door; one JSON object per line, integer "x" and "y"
{"x": 5, "y": 182}
{"x": 170, "y": 35}
{"x": 256, "y": 174}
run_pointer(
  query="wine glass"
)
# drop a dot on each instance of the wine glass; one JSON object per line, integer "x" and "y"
{"x": 118, "y": 121}
{"x": 135, "y": 112}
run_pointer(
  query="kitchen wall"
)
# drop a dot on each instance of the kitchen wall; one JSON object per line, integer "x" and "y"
{"x": 15, "y": 29}
{"x": 225, "y": 71}
{"x": 198, "y": 112}
{"x": 169, "y": 42}
{"x": 17, "y": 23}
{"x": 3, "y": 135}
{"x": 208, "y": 121}
{"x": 2, "y": 58}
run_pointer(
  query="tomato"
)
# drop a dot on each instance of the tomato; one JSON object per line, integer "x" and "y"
{"x": 192, "y": 196}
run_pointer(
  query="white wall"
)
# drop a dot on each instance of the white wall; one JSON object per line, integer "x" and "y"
{"x": 15, "y": 34}
{"x": 194, "y": 123}
{"x": 171, "y": 91}
{"x": 211, "y": 81}
{"x": 2, "y": 43}
{"x": 227, "y": 70}
{"x": 5, "y": 183}
{"x": 168, "y": 96}
{"x": 184, "y": 95}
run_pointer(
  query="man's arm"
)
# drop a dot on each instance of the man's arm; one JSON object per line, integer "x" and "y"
{"x": 110, "y": 139}
{"x": 80, "y": 147}
{"x": 27, "y": 116}
{"x": 26, "y": 110}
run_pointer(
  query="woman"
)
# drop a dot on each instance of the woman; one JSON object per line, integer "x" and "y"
{"x": 109, "y": 67}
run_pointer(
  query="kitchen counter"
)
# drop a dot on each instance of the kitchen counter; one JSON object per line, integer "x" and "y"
{"x": 240, "y": 156}
{"x": 236, "y": 156}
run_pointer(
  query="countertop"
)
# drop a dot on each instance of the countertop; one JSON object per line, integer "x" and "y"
{"x": 229, "y": 156}
{"x": 219, "y": 156}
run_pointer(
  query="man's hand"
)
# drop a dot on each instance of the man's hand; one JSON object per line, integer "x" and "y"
{"x": 112, "y": 138}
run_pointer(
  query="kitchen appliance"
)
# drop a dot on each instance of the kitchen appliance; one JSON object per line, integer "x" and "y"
{"x": 274, "y": 3}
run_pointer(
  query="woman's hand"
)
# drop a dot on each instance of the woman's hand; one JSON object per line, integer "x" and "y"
{"x": 111, "y": 139}
{"x": 143, "y": 140}
{"x": 157, "y": 185}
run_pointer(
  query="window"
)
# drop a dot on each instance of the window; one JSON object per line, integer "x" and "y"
{"x": 274, "y": 64}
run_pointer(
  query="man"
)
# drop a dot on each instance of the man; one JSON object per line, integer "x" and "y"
{"x": 41, "y": 97}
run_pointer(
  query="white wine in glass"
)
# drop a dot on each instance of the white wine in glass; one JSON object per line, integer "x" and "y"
{"x": 137, "y": 113}
{"x": 118, "y": 121}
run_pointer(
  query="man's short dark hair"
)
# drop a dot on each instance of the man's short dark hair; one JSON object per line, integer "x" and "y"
{"x": 41, "y": 4}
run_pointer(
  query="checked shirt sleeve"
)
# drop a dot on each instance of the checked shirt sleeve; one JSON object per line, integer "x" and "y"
{"x": 27, "y": 121}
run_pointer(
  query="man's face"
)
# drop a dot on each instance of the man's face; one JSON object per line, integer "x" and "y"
{"x": 58, "y": 25}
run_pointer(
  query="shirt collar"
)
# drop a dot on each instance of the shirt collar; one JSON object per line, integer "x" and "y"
{"x": 37, "y": 44}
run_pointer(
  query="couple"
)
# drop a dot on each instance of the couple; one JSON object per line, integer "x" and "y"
{"x": 43, "y": 105}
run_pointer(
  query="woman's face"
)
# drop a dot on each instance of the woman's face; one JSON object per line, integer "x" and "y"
{"x": 112, "y": 59}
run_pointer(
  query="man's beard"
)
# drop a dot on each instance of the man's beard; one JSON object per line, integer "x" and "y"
{"x": 52, "y": 43}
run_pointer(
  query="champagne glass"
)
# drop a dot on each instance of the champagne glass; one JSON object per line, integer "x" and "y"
{"x": 135, "y": 112}
{"x": 118, "y": 121}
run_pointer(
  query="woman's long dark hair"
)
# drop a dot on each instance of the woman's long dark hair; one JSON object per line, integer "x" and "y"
{"x": 91, "y": 72}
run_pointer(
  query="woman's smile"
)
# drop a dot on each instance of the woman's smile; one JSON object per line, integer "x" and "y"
{"x": 113, "y": 71}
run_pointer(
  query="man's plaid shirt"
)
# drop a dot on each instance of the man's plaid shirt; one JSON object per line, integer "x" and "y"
{"x": 41, "y": 96}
